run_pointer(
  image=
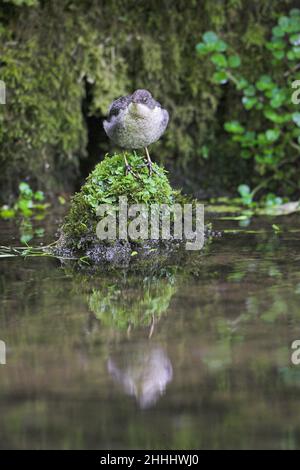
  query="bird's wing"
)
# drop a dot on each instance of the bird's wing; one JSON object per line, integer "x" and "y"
{"x": 118, "y": 105}
{"x": 165, "y": 119}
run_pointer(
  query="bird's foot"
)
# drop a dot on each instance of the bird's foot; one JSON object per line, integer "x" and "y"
{"x": 150, "y": 167}
{"x": 128, "y": 170}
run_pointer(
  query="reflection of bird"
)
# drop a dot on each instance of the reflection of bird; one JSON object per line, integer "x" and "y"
{"x": 136, "y": 121}
{"x": 143, "y": 374}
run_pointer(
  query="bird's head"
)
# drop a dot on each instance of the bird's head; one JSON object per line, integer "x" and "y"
{"x": 141, "y": 102}
{"x": 141, "y": 96}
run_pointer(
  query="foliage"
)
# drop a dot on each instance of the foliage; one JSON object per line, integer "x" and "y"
{"x": 268, "y": 133}
{"x": 29, "y": 204}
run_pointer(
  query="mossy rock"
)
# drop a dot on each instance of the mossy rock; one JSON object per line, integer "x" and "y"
{"x": 108, "y": 182}
{"x": 105, "y": 185}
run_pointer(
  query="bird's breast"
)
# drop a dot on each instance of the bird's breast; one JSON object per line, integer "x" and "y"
{"x": 138, "y": 126}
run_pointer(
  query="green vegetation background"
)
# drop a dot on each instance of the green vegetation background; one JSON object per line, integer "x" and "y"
{"x": 65, "y": 61}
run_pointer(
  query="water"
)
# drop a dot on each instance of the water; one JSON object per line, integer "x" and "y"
{"x": 192, "y": 359}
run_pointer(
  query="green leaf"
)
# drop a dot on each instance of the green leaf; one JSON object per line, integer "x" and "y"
{"x": 245, "y": 193}
{"x": 295, "y": 12}
{"x": 220, "y": 77}
{"x": 272, "y": 135}
{"x": 295, "y": 39}
{"x": 202, "y": 48}
{"x": 220, "y": 46}
{"x": 25, "y": 189}
{"x": 244, "y": 189}
{"x": 264, "y": 83}
{"x": 283, "y": 22}
{"x": 210, "y": 37}
{"x": 39, "y": 232}
{"x": 278, "y": 54}
{"x": 7, "y": 213}
{"x": 234, "y": 127}
{"x": 242, "y": 83}
{"x": 234, "y": 61}
{"x": 296, "y": 118}
{"x": 250, "y": 91}
{"x": 278, "y": 99}
{"x": 249, "y": 102}
{"x": 39, "y": 196}
{"x": 278, "y": 32}
{"x": 291, "y": 56}
{"x": 204, "y": 151}
{"x": 273, "y": 116}
{"x": 246, "y": 154}
{"x": 25, "y": 238}
{"x": 219, "y": 60}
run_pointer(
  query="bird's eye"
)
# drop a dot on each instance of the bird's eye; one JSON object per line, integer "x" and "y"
{"x": 145, "y": 99}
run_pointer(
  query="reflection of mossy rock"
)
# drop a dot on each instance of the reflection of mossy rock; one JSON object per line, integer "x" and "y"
{"x": 105, "y": 185}
{"x": 122, "y": 303}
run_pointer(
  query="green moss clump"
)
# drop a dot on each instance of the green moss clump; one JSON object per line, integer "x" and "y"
{"x": 107, "y": 183}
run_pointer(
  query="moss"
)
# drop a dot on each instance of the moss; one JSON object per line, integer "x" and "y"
{"x": 107, "y": 183}
{"x": 80, "y": 240}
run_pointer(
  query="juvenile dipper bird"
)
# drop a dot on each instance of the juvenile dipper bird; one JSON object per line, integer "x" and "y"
{"x": 136, "y": 121}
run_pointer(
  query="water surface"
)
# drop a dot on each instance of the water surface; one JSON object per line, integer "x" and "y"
{"x": 191, "y": 359}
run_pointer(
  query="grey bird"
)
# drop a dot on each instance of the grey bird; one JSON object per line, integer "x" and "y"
{"x": 136, "y": 121}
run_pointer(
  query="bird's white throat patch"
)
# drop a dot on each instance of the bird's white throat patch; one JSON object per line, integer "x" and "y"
{"x": 139, "y": 110}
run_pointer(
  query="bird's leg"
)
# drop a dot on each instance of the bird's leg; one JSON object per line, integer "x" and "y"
{"x": 128, "y": 168}
{"x": 149, "y": 162}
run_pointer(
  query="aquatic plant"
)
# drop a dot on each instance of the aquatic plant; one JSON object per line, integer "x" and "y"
{"x": 27, "y": 203}
{"x": 30, "y": 205}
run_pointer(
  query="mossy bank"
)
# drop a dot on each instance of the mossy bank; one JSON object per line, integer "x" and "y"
{"x": 63, "y": 62}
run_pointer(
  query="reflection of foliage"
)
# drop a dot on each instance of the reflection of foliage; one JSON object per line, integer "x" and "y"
{"x": 131, "y": 302}
{"x": 246, "y": 293}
